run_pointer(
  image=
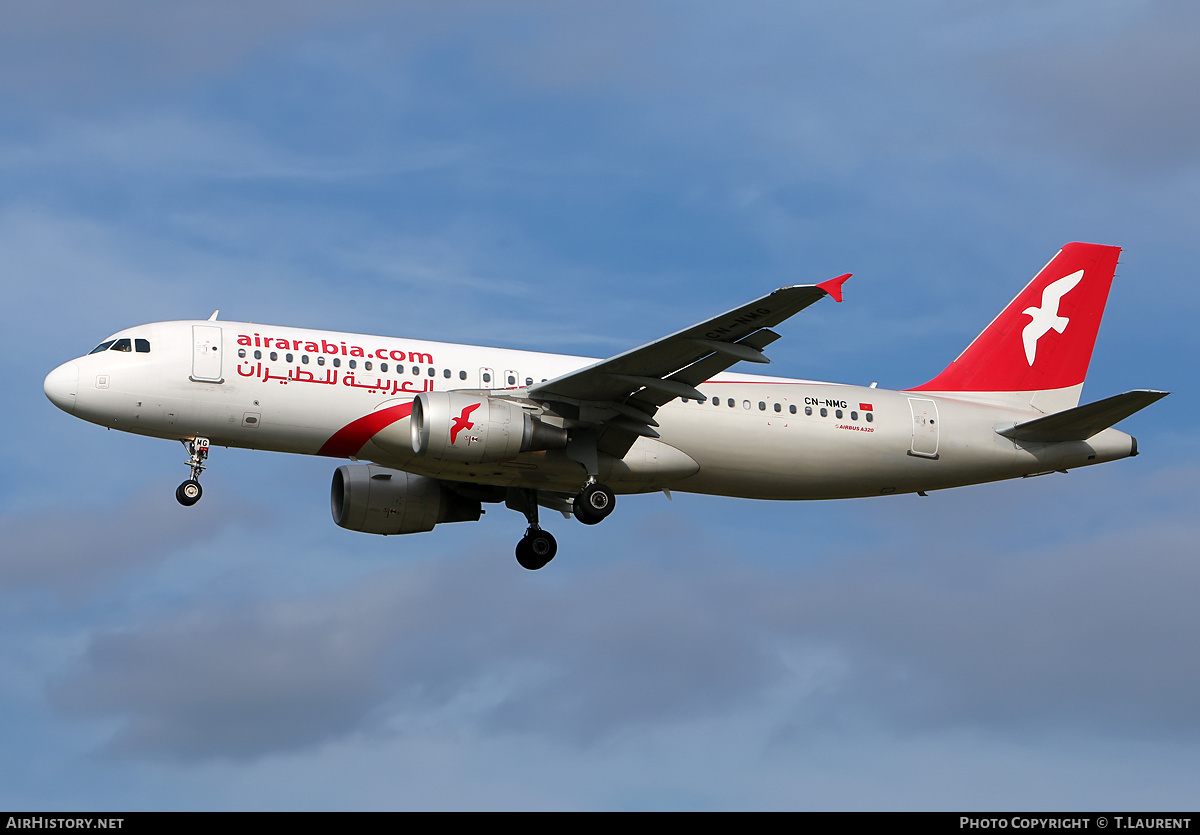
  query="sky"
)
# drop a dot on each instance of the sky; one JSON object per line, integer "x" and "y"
{"x": 584, "y": 178}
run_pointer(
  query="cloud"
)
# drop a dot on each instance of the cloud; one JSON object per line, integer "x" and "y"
{"x": 88, "y": 55}
{"x": 1119, "y": 96}
{"x": 1093, "y": 635}
{"x": 76, "y": 551}
{"x": 510, "y": 176}
{"x": 924, "y": 635}
{"x": 245, "y": 680}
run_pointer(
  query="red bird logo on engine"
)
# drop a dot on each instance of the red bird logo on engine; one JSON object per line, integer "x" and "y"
{"x": 461, "y": 422}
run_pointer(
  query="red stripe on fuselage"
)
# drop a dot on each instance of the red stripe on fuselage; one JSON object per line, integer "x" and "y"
{"x": 353, "y": 436}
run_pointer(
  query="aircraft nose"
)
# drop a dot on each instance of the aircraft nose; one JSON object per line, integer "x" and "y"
{"x": 61, "y": 386}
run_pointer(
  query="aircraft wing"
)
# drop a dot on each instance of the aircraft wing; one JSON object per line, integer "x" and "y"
{"x": 625, "y": 391}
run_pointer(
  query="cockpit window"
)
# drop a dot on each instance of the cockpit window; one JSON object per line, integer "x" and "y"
{"x": 142, "y": 345}
{"x": 103, "y": 346}
{"x": 122, "y": 345}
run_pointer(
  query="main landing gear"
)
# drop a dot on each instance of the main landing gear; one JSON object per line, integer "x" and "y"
{"x": 591, "y": 505}
{"x": 190, "y": 491}
{"x": 536, "y": 548}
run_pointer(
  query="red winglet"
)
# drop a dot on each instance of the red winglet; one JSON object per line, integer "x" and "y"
{"x": 834, "y": 286}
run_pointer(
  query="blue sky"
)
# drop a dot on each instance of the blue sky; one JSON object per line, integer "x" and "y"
{"x": 577, "y": 179}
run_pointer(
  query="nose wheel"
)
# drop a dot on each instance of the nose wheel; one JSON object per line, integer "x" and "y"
{"x": 188, "y": 493}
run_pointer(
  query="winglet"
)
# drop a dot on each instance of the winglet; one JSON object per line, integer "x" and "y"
{"x": 834, "y": 286}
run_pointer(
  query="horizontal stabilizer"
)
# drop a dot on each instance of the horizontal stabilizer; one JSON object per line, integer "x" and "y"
{"x": 1083, "y": 422}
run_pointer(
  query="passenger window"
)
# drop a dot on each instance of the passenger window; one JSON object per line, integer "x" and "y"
{"x": 274, "y": 356}
{"x": 432, "y": 373}
{"x": 854, "y": 416}
{"x": 337, "y": 362}
{"x": 122, "y": 345}
{"x": 367, "y": 365}
{"x": 870, "y": 417}
{"x": 103, "y": 346}
{"x": 762, "y": 407}
{"x": 462, "y": 375}
{"x": 745, "y": 404}
{"x": 824, "y": 412}
{"x": 778, "y": 407}
{"x": 731, "y": 402}
{"x": 142, "y": 345}
{"x": 716, "y": 401}
{"x": 528, "y": 381}
{"x": 304, "y": 358}
{"x": 241, "y": 353}
{"x": 838, "y": 414}
{"x": 446, "y": 373}
{"x": 792, "y": 409}
{"x": 487, "y": 378}
{"x": 258, "y": 355}
{"x": 383, "y": 367}
{"x": 288, "y": 358}
{"x": 320, "y": 359}
{"x": 353, "y": 363}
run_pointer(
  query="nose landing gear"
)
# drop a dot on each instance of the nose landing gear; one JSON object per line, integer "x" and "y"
{"x": 190, "y": 491}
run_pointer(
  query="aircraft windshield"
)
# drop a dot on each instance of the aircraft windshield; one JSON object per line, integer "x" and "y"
{"x": 126, "y": 345}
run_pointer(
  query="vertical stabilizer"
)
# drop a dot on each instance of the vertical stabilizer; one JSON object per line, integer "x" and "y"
{"x": 1036, "y": 352}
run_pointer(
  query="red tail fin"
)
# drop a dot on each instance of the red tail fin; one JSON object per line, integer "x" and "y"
{"x": 1043, "y": 340}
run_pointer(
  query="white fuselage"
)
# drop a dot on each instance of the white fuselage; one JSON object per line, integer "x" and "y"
{"x": 315, "y": 392}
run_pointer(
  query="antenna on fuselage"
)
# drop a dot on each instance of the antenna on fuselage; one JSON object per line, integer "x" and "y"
{"x": 213, "y": 318}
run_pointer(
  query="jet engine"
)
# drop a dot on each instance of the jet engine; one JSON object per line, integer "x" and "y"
{"x": 467, "y": 429}
{"x": 378, "y": 500}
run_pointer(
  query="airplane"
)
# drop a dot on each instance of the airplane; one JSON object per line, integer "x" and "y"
{"x": 433, "y": 431}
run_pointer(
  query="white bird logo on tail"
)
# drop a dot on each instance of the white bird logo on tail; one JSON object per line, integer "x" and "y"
{"x": 1046, "y": 317}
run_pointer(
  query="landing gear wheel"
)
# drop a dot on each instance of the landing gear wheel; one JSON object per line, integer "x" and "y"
{"x": 189, "y": 492}
{"x": 536, "y": 549}
{"x": 593, "y": 504}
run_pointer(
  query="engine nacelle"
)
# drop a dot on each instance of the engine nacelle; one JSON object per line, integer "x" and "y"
{"x": 378, "y": 500}
{"x": 467, "y": 429}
